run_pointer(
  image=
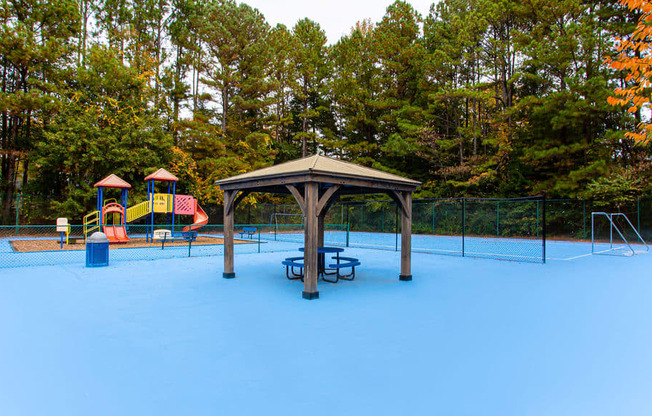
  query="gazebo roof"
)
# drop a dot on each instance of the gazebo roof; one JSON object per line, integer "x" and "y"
{"x": 319, "y": 169}
{"x": 162, "y": 175}
{"x": 112, "y": 181}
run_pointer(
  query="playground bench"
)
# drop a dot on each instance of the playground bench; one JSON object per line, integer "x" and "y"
{"x": 290, "y": 263}
{"x": 179, "y": 236}
{"x": 250, "y": 231}
{"x": 185, "y": 235}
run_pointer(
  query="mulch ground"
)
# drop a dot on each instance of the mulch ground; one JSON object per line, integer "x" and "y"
{"x": 54, "y": 245}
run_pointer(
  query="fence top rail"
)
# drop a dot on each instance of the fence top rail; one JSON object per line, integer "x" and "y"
{"x": 460, "y": 199}
{"x": 13, "y": 227}
{"x": 418, "y": 201}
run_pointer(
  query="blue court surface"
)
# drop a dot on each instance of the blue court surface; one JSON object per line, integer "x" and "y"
{"x": 468, "y": 336}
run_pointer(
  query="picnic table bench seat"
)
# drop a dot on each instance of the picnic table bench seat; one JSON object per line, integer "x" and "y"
{"x": 344, "y": 263}
{"x": 290, "y": 263}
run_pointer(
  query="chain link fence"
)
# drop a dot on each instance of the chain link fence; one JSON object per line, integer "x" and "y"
{"x": 510, "y": 229}
{"x": 36, "y": 245}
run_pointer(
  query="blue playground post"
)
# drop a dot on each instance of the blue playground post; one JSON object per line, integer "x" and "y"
{"x": 167, "y": 214}
{"x": 126, "y": 192}
{"x": 151, "y": 204}
{"x": 101, "y": 205}
{"x": 174, "y": 197}
{"x": 146, "y": 221}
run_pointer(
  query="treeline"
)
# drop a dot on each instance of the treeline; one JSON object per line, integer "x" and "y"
{"x": 478, "y": 98}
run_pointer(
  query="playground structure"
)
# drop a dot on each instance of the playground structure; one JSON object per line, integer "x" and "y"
{"x": 112, "y": 216}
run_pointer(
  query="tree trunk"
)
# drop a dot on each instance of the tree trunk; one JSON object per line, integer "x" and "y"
{"x": 25, "y": 171}
{"x": 304, "y": 128}
{"x": 225, "y": 107}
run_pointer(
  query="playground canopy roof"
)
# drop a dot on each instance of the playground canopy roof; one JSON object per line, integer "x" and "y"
{"x": 162, "y": 175}
{"x": 112, "y": 181}
{"x": 355, "y": 179}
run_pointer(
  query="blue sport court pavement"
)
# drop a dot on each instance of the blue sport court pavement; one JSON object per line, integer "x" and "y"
{"x": 467, "y": 336}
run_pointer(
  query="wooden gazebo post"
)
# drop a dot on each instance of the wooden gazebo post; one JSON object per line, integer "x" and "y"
{"x": 229, "y": 213}
{"x": 406, "y": 238}
{"x": 311, "y": 236}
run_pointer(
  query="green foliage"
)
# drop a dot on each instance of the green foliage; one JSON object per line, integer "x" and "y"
{"x": 103, "y": 127}
{"x": 476, "y": 98}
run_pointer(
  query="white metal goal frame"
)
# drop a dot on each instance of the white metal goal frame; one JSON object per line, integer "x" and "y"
{"x": 629, "y": 250}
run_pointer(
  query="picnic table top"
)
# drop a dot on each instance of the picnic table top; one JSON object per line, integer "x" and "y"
{"x": 327, "y": 249}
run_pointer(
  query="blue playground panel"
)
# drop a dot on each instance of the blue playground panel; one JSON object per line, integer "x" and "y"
{"x": 465, "y": 337}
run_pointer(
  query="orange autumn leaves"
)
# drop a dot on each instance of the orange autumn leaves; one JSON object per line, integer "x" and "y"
{"x": 635, "y": 59}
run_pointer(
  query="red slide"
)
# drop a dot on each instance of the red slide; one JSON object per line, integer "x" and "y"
{"x": 198, "y": 220}
{"x": 116, "y": 234}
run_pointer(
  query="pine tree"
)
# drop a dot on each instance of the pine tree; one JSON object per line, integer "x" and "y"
{"x": 36, "y": 45}
{"x": 310, "y": 61}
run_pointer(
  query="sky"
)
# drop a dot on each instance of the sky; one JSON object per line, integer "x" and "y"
{"x": 336, "y": 17}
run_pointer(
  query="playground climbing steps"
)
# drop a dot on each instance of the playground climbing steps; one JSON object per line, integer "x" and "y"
{"x": 91, "y": 223}
{"x": 138, "y": 211}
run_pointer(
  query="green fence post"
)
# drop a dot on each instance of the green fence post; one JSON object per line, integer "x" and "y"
{"x": 638, "y": 214}
{"x": 463, "y": 224}
{"x": 17, "y": 211}
{"x": 497, "y": 218}
{"x": 348, "y": 225}
{"x": 382, "y": 220}
{"x": 584, "y": 217}
{"x": 544, "y": 228}
{"x": 396, "y": 228}
{"x": 433, "y": 218}
{"x": 537, "y": 218}
{"x": 259, "y": 239}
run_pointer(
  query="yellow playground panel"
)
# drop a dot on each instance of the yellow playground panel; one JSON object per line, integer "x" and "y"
{"x": 162, "y": 203}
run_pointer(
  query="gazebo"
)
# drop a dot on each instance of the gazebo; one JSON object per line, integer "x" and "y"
{"x": 316, "y": 182}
